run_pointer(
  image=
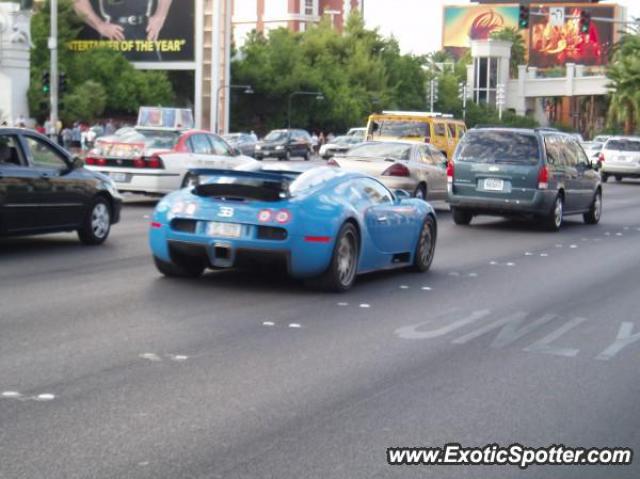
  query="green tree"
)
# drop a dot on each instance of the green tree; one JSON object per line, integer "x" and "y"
{"x": 624, "y": 76}
{"x": 518, "y": 49}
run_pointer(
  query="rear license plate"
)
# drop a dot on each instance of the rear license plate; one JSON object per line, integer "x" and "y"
{"x": 119, "y": 177}
{"x": 224, "y": 230}
{"x": 622, "y": 158}
{"x": 493, "y": 184}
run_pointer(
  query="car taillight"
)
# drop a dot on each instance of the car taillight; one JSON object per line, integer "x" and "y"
{"x": 101, "y": 161}
{"x": 601, "y": 158}
{"x": 333, "y": 162}
{"x": 154, "y": 162}
{"x": 543, "y": 178}
{"x": 264, "y": 216}
{"x": 155, "y": 224}
{"x": 450, "y": 171}
{"x": 90, "y": 160}
{"x": 397, "y": 169}
{"x": 138, "y": 163}
{"x": 283, "y": 216}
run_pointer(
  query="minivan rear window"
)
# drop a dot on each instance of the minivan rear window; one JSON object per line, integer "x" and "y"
{"x": 498, "y": 147}
{"x": 623, "y": 145}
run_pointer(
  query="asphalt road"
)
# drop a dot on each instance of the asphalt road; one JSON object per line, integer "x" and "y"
{"x": 108, "y": 370}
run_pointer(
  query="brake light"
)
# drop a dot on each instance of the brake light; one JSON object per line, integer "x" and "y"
{"x": 283, "y": 216}
{"x": 89, "y": 160}
{"x": 317, "y": 239}
{"x": 397, "y": 169}
{"x": 543, "y": 178}
{"x": 264, "y": 216}
{"x": 154, "y": 162}
{"x": 155, "y": 224}
{"x": 450, "y": 171}
{"x": 101, "y": 161}
{"x": 138, "y": 163}
{"x": 601, "y": 158}
{"x": 333, "y": 162}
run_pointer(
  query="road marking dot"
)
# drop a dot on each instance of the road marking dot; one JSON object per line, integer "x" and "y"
{"x": 493, "y": 263}
{"x": 544, "y": 255}
{"x": 573, "y": 246}
{"x": 528, "y": 253}
{"x": 365, "y": 305}
{"x": 404, "y": 286}
{"x": 511, "y": 264}
{"x": 294, "y": 325}
{"x": 179, "y": 357}
{"x": 150, "y": 356}
{"x": 268, "y": 323}
{"x": 473, "y": 275}
{"x": 426, "y": 288}
{"x": 45, "y": 397}
{"x": 143, "y": 463}
{"x": 11, "y": 394}
{"x": 454, "y": 273}
{"x": 618, "y": 234}
{"x": 343, "y": 304}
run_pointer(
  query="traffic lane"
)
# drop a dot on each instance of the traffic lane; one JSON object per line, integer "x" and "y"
{"x": 288, "y": 383}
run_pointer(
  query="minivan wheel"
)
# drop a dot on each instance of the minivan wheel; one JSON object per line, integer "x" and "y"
{"x": 604, "y": 177}
{"x": 553, "y": 221}
{"x": 461, "y": 217}
{"x": 619, "y": 178}
{"x": 592, "y": 217}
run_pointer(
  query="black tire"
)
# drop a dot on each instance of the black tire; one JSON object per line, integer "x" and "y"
{"x": 426, "y": 247}
{"x": 421, "y": 192}
{"x": 619, "y": 178}
{"x": 461, "y": 217}
{"x": 604, "y": 177}
{"x": 258, "y": 158}
{"x": 189, "y": 179}
{"x": 553, "y": 220}
{"x": 307, "y": 156}
{"x": 172, "y": 270}
{"x": 287, "y": 156}
{"x": 339, "y": 277}
{"x": 96, "y": 223}
{"x": 592, "y": 217}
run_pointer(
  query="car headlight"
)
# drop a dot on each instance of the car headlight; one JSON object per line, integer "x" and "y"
{"x": 258, "y": 147}
{"x": 279, "y": 147}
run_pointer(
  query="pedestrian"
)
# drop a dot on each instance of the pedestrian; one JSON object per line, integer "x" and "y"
{"x": 109, "y": 128}
{"x": 76, "y": 135}
{"x": 315, "y": 142}
{"x": 321, "y": 139}
{"x": 21, "y": 122}
{"x": 90, "y": 138}
{"x": 66, "y": 138}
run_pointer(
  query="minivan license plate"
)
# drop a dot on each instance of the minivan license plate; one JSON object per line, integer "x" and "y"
{"x": 224, "y": 230}
{"x": 493, "y": 184}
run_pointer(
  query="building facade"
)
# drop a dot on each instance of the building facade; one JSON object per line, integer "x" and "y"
{"x": 297, "y": 15}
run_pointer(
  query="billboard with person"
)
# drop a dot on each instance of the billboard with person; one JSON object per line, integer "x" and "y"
{"x": 143, "y": 30}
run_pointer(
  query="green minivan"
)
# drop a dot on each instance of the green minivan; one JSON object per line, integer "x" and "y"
{"x": 539, "y": 173}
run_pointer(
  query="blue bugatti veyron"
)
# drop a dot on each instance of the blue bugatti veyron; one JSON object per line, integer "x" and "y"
{"x": 325, "y": 224}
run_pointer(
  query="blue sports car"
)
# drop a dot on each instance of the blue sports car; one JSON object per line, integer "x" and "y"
{"x": 326, "y": 225}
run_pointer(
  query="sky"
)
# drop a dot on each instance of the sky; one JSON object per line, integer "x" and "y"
{"x": 417, "y": 24}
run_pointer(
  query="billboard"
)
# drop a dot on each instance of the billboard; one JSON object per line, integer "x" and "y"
{"x": 461, "y": 24}
{"x": 551, "y": 46}
{"x": 143, "y": 30}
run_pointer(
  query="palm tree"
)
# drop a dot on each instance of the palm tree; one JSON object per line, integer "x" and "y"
{"x": 624, "y": 76}
{"x": 518, "y": 50}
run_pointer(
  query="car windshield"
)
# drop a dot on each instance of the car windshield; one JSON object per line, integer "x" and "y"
{"x": 276, "y": 135}
{"x": 400, "y": 129}
{"x": 623, "y": 145}
{"x": 396, "y": 151}
{"x": 231, "y": 137}
{"x": 498, "y": 147}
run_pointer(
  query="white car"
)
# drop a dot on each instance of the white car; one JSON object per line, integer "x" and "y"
{"x": 620, "y": 158}
{"x": 158, "y": 160}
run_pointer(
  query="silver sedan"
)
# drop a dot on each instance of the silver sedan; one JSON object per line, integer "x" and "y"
{"x": 417, "y": 168}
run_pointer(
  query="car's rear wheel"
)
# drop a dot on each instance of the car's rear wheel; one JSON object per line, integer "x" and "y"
{"x": 186, "y": 269}
{"x": 619, "y": 178}
{"x": 604, "y": 177}
{"x": 461, "y": 217}
{"x": 343, "y": 267}
{"x": 420, "y": 192}
{"x": 426, "y": 246}
{"x": 592, "y": 217}
{"x": 287, "y": 156}
{"x": 96, "y": 223}
{"x": 553, "y": 220}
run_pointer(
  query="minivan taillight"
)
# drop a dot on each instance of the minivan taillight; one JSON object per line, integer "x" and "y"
{"x": 601, "y": 158}
{"x": 543, "y": 178}
{"x": 450, "y": 171}
{"x": 397, "y": 169}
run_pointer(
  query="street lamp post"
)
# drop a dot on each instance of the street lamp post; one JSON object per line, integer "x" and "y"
{"x": 317, "y": 94}
{"x": 248, "y": 90}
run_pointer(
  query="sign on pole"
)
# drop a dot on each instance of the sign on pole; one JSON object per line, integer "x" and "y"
{"x": 556, "y": 16}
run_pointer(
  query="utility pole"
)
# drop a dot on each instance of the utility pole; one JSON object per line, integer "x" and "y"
{"x": 53, "y": 68}
{"x": 500, "y": 99}
{"x": 463, "y": 94}
{"x": 433, "y": 94}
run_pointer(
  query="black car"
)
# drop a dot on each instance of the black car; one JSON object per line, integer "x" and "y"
{"x": 43, "y": 189}
{"x": 285, "y": 144}
{"x": 245, "y": 143}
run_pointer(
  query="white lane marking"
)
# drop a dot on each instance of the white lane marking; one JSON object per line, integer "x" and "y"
{"x": 528, "y": 253}
{"x": 294, "y": 325}
{"x": 511, "y": 329}
{"x": 623, "y": 339}
{"x": 544, "y": 345}
{"x": 143, "y": 463}
{"x": 365, "y": 305}
{"x": 343, "y": 304}
{"x": 268, "y": 323}
{"x": 178, "y": 357}
{"x": 412, "y": 331}
{"x": 454, "y": 273}
{"x": 150, "y": 356}
{"x": 473, "y": 275}
{"x": 426, "y": 288}
{"x": 45, "y": 397}
{"x": 404, "y": 286}
{"x": 11, "y": 394}
{"x": 573, "y": 246}
{"x": 493, "y": 263}
{"x": 544, "y": 255}
{"x": 618, "y": 234}
{"x": 511, "y": 264}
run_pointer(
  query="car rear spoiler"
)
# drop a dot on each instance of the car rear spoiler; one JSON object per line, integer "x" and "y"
{"x": 239, "y": 184}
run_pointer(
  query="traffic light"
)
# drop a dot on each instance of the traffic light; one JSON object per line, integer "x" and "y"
{"x": 62, "y": 83}
{"x": 523, "y": 17}
{"x": 585, "y": 21}
{"x": 46, "y": 82}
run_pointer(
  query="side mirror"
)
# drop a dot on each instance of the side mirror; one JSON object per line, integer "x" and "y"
{"x": 76, "y": 162}
{"x": 401, "y": 194}
{"x": 596, "y": 165}
{"x": 235, "y": 151}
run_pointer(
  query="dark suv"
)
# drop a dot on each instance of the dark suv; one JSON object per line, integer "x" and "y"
{"x": 284, "y": 144}
{"x": 540, "y": 173}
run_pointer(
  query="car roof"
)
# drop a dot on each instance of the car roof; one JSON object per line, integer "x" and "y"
{"x": 526, "y": 131}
